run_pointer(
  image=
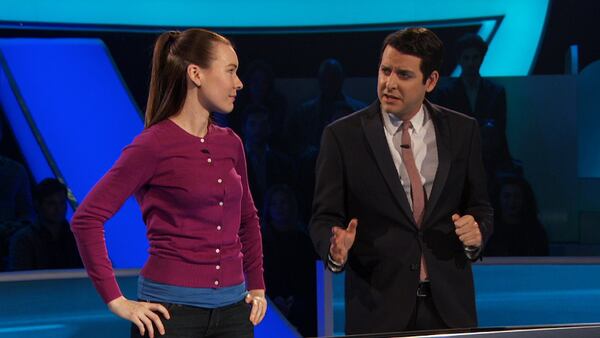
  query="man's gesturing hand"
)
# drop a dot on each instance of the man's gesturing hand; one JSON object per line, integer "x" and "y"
{"x": 341, "y": 241}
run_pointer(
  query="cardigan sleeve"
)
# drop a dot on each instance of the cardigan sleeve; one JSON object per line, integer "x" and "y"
{"x": 134, "y": 168}
{"x": 249, "y": 233}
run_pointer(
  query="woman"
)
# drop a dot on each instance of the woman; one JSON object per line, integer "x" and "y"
{"x": 189, "y": 177}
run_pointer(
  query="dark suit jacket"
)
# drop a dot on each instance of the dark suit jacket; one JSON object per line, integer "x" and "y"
{"x": 356, "y": 178}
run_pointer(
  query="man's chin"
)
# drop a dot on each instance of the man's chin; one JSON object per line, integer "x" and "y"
{"x": 392, "y": 108}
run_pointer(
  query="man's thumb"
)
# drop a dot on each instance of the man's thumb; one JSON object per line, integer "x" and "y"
{"x": 352, "y": 225}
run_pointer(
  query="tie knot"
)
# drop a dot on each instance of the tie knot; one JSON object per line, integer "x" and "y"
{"x": 405, "y": 125}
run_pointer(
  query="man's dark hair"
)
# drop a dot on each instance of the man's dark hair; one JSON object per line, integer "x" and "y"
{"x": 419, "y": 42}
{"x": 47, "y": 187}
{"x": 471, "y": 40}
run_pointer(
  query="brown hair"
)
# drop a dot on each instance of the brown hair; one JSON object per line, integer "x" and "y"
{"x": 419, "y": 42}
{"x": 173, "y": 52}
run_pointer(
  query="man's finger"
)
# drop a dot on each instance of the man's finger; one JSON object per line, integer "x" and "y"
{"x": 467, "y": 229}
{"x": 464, "y": 220}
{"x": 352, "y": 225}
{"x": 464, "y": 229}
{"x": 455, "y": 217}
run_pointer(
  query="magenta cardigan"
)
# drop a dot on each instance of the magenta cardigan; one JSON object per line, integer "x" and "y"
{"x": 201, "y": 222}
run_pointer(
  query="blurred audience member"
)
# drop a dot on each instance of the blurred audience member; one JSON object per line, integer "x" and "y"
{"x": 266, "y": 165}
{"x": 289, "y": 260}
{"x": 259, "y": 89}
{"x": 517, "y": 229}
{"x": 305, "y": 126}
{"x": 482, "y": 99}
{"x": 48, "y": 243}
{"x": 16, "y": 207}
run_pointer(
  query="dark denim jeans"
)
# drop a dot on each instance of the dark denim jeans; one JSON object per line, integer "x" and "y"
{"x": 231, "y": 321}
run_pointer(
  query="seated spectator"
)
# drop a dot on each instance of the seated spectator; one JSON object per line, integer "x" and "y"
{"x": 305, "y": 126}
{"x": 48, "y": 243}
{"x": 517, "y": 229}
{"x": 16, "y": 207}
{"x": 266, "y": 165}
{"x": 289, "y": 260}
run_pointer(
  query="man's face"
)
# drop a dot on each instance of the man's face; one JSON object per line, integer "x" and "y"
{"x": 53, "y": 208}
{"x": 400, "y": 86}
{"x": 470, "y": 61}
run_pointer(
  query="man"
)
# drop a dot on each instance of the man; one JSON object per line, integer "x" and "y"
{"x": 407, "y": 177}
{"x": 482, "y": 99}
{"x": 49, "y": 243}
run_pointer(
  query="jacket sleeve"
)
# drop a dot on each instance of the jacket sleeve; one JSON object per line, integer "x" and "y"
{"x": 329, "y": 207}
{"x": 477, "y": 199}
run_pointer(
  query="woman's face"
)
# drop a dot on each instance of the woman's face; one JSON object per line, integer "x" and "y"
{"x": 220, "y": 82}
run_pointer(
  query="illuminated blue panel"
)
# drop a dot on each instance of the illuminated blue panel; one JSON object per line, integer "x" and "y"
{"x": 588, "y": 120}
{"x": 511, "y": 51}
{"x": 59, "y": 314}
{"x": 84, "y": 115}
{"x": 527, "y": 294}
{"x": 16, "y": 118}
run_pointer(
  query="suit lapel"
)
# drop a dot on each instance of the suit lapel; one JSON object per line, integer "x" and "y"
{"x": 443, "y": 142}
{"x": 373, "y": 128}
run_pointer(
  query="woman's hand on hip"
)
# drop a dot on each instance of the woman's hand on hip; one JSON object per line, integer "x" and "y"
{"x": 142, "y": 314}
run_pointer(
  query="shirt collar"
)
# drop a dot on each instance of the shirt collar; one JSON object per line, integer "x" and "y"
{"x": 391, "y": 122}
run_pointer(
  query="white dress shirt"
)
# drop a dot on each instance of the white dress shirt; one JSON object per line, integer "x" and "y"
{"x": 423, "y": 145}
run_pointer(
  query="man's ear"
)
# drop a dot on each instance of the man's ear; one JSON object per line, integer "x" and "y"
{"x": 432, "y": 81}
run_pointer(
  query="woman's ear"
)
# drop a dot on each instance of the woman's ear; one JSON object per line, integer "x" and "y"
{"x": 195, "y": 74}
